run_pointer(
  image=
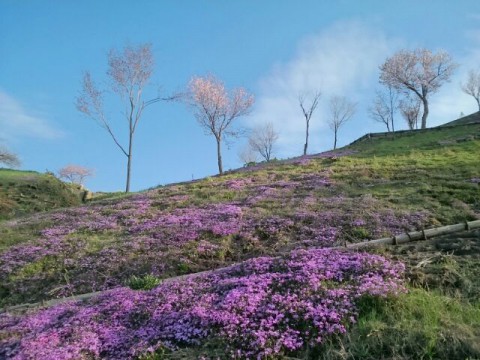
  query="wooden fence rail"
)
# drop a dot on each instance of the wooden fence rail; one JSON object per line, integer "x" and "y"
{"x": 418, "y": 235}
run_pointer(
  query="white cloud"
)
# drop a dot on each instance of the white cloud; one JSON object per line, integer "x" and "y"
{"x": 342, "y": 59}
{"x": 17, "y": 122}
{"x": 450, "y": 101}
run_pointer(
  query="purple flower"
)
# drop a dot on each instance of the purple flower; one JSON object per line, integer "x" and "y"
{"x": 261, "y": 307}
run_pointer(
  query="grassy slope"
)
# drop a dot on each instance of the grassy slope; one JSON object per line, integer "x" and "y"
{"x": 27, "y": 192}
{"x": 469, "y": 119}
{"x": 435, "y": 171}
{"x": 440, "y": 316}
{"x": 429, "y": 173}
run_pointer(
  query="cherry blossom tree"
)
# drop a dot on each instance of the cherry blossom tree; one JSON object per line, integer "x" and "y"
{"x": 384, "y": 107}
{"x": 216, "y": 109}
{"x": 76, "y": 174}
{"x": 341, "y": 111}
{"x": 420, "y": 72}
{"x": 129, "y": 71}
{"x": 472, "y": 86}
{"x": 262, "y": 140}
{"x": 308, "y": 107}
{"x": 9, "y": 158}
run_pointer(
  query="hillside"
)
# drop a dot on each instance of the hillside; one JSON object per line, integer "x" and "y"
{"x": 469, "y": 119}
{"x": 458, "y": 130}
{"x": 281, "y": 296}
{"x": 27, "y": 192}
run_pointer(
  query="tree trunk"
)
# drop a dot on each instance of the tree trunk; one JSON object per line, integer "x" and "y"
{"x": 392, "y": 111}
{"x": 306, "y": 141}
{"x": 219, "y": 155}
{"x": 425, "y": 113}
{"x": 129, "y": 162}
{"x": 335, "y": 142}
{"x": 478, "y": 102}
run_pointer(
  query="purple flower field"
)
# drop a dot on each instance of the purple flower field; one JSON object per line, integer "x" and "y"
{"x": 264, "y": 280}
{"x": 181, "y": 230}
{"x": 261, "y": 307}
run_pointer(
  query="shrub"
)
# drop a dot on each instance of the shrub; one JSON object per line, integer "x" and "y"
{"x": 146, "y": 282}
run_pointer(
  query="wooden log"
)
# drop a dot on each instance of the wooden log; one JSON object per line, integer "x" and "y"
{"x": 419, "y": 235}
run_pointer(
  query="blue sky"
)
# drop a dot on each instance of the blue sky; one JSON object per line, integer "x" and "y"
{"x": 274, "y": 48}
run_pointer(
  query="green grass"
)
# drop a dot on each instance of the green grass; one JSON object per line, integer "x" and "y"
{"x": 27, "y": 192}
{"x": 13, "y": 235}
{"x": 438, "y": 180}
{"x": 469, "y": 119}
{"x": 429, "y": 139}
{"x": 117, "y": 195}
{"x": 416, "y": 325}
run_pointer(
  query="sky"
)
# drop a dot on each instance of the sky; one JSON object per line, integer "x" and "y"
{"x": 276, "y": 49}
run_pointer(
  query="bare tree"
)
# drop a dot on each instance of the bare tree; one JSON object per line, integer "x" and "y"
{"x": 263, "y": 139}
{"x": 247, "y": 155}
{"x": 308, "y": 107}
{"x": 341, "y": 111}
{"x": 129, "y": 71}
{"x": 384, "y": 107}
{"x": 76, "y": 174}
{"x": 419, "y": 72}
{"x": 472, "y": 86}
{"x": 216, "y": 109}
{"x": 8, "y": 158}
{"x": 410, "y": 110}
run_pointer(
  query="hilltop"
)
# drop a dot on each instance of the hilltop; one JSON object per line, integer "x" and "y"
{"x": 262, "y": 227}
{"x": 27, "y": 192}
{"x": 465, "y": 120}
{"x": 457, "y": 130}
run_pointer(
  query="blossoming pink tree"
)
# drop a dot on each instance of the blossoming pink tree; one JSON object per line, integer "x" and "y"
{"x": 420, "y": 72}
{"x": 216, "y": 109}
{"x": 76, "y": 174}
